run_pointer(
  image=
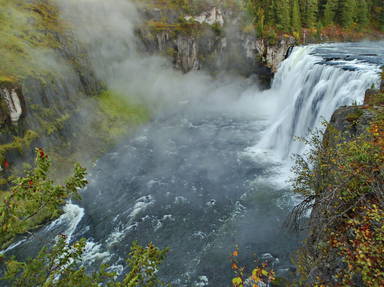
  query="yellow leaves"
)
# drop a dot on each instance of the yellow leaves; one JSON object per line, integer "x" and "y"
{"x": 260, "y": 274}
{"x": 255, "y": 275}
{"x": 237, "y": 282}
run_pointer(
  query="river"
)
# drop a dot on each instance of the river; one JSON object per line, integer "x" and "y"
{"x": 203, "y": 177}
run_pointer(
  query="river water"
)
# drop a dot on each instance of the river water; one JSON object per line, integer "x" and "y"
{"x": 203, "y": 177}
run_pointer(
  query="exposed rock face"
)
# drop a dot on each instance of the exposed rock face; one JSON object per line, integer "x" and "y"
{"x": 216, "y": 43}
{"x": 43, "y": 106}
{"x": 262, "y": 52}
{"x": 12, "y": 103}
{"x": 210, "y": 17}
{"x": 351, "y": 122}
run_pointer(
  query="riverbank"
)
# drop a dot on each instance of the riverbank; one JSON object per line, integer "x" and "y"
{"x": 343, "y": 191}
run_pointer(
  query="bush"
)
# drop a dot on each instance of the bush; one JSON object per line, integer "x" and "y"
{"x": 34, "y": 197}
{"x": 342, "y": 181}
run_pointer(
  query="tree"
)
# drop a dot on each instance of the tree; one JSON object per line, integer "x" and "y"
{"x": 60, "y": 266}
{"x": 310, "y": 12}
{"x": 347, "y": 12}
{"x": 330, "y": 10}
{"x": 33, "y": 197}
{"x": 362, "y": 13}
{"x": 295, "y": 16}
{"x": 282, "y": 14}
{"x": 377, "y": 13}
{"x": 341, "y": 179}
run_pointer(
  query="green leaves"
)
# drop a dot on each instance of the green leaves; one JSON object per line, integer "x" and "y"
{"x": 143, "y": 263}
{"x": 35, "y": 196}
{"x": 61, "y": 266}
{"x": 342, "y": 177}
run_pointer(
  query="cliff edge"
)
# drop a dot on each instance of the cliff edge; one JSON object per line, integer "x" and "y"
{"x": 342, "y": 182}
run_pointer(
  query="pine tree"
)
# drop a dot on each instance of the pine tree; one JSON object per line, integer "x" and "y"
{"x": 362, "y": 13}
{"x": 282, "y": 14}
{"x": 295, "y": 16}
{"x": 270, "y": 13}
{"x": 347, "y": 12}
{"x": 311, "y": 13}
{"x": 330, "y": 10}
{"x": 377, "y": 13}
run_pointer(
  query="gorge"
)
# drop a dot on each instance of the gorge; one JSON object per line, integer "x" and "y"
{"x": 208, "y": 168}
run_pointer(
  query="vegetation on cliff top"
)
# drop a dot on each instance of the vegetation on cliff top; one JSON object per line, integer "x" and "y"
{"x": 342, "y": 180}
{"x": 304, "y": 19}
{"x": 294, "y": 15}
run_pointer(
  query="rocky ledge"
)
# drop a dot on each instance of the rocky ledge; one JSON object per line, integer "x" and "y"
{"x": 213, "y": 41}
{"x": 347, "y": 199}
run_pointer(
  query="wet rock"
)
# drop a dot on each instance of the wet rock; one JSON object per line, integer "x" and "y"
{"x": 374, "y": 97}
{"x": 351, "y": 122}
{"x": 215, "y": 46}
{"x": 12, "y": 104}
{"x": 210, "y": 17}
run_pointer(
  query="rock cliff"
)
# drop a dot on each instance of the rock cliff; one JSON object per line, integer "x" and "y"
{"x": 212, "y": 40}
{"x": 345, "y": 225}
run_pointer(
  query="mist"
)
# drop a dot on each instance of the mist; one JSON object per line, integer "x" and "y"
{"x": 208, "y": 171}
{"x": 107, "y": 30}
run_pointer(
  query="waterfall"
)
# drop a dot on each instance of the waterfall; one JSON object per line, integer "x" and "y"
{"x": 309, "y": 89}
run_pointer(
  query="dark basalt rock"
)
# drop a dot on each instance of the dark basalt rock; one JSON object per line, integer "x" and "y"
{"x": 214, "y": 48}
{"x": 351, "y": 121}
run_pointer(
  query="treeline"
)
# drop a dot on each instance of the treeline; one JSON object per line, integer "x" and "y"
{"x": 293, "y": 15}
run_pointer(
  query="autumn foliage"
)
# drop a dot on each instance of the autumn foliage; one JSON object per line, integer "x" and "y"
{"x": 342, "y": 181}
{"x": 262, "y": 274}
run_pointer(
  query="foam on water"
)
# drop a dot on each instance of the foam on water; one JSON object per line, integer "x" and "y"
{"x": 70, "y": 218}
{"x": 308, "y": 90}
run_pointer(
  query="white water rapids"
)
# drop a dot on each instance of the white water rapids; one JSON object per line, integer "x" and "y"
{"x": 308, "y": 92}
{"x": 201, "y": 180}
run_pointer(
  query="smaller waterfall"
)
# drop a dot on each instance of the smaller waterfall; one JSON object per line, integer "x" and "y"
{"x": 308, "y": 90}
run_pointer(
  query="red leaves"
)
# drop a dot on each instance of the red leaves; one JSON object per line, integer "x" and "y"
{"x": 41, "y": 153}
{"x": 6, "y": 164}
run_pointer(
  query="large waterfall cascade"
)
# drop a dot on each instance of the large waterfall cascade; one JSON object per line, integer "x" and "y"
{"x": 183, "y": 181}
{"x": 308, "y": 90}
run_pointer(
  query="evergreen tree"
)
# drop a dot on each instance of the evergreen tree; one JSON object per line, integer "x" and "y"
{"x": 377, "y": 13}
{"x": 282, "y": 14}
{"x": 292, "y": 15}
{"x": 311, "y": 13}
{"x": 330, "y": 10}
{"x": 347, "y": 12}
{"x": 295, "y": 16}
{"x": 270, "y": 12}
{"x": 362, "y": 13}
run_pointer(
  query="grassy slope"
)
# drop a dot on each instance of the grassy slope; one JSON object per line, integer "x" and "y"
{"x": 27, "y": 35}
{"x": 27, "y": 29}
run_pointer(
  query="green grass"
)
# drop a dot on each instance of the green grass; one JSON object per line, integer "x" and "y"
{"x": 26, "y": 30}
{"x": 119, "y": 113}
